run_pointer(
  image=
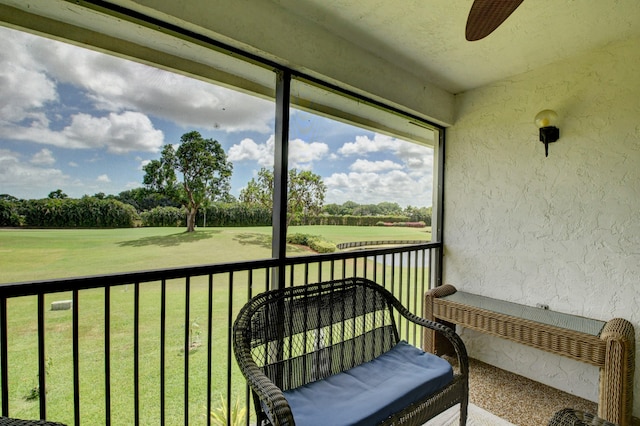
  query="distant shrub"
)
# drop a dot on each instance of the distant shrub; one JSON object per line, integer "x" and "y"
{"x": 9, "y": 213}
{"x": 314, "y": 242}
{"x": 164, "y": 216}
{"x": 320, "y": 246}
{"x": 353, "y": 220}
{"x": 87, "y": 212}
{"x": 419, "y": 224}
{"x": 234, "y": 214}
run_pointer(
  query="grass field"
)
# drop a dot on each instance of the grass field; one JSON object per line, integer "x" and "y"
{"x": 30, "y": 254}
{"x": 41, "y": 254}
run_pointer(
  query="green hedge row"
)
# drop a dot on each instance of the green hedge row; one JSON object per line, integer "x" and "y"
{"x": 87, "y": 212}
{"x": 93, "y": 212}
{"x": 349, "y": 220}
{"x": 233, "y": 214}
{"x": 164, "y": 216}
{"x": 219, "y": 214}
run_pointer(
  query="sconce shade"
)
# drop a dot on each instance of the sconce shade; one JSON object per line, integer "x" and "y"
{"x": 546, "y": 118}
{"x": 546, "y": 121}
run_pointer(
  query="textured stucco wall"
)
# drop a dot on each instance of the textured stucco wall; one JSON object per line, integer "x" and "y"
{"x": 562, "y": 230}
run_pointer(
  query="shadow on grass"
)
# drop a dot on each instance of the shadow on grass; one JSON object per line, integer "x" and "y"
{"x": 170, "y": 240}
{"x": 264, "y": 241}
{"x": 260, "y": 240}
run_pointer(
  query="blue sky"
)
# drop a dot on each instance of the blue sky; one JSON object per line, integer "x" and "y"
{"x": 85, "y": 122}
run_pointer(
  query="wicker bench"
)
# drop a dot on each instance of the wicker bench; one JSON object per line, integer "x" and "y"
{"x": 607, "y": 345}
{"x": 330, "y": 353}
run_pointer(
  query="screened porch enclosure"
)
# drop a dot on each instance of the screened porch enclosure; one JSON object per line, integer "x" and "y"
{"x": 152, "y": 347}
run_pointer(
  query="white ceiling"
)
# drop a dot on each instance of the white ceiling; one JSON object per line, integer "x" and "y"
{"x": 427, "y": 37}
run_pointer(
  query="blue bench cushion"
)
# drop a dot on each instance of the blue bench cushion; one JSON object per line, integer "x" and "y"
{"x": 369, "y": 393}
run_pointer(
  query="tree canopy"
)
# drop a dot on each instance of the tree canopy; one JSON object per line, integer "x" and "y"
{"x": 305, "y": 194}
{"x": 57, "y": 195}
{"x": 203, "y": 168}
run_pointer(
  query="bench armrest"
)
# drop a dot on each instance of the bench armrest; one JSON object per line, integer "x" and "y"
{"x": 276, "y": 406}
{"x": 444, "y": 330}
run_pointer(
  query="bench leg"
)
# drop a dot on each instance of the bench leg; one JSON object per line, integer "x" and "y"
{"x": 615, "y": 402}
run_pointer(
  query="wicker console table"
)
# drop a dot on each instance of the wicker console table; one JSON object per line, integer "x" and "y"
{"x": 607, "y": 345}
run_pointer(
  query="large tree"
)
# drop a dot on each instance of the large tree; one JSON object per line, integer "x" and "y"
{"x": 305, "y": 195}
{"x": 143, "y": 198}
{"x": 203, "y": 168}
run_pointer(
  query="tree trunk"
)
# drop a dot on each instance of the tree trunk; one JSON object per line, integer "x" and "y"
{"x": 191, "y": 219}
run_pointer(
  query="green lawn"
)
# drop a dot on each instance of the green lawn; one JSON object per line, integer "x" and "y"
{"x": 30, "y": 254}
{"x": 40, "y": 254}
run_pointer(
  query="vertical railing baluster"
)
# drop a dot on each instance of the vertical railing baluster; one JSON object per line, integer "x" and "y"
{"x": 163, "y": 343}
{"x": 247, "y": 399}
{"x": 267, "y": 278}
{"x": 344, "y": 268}
{"x": 355, "y": 267}
{"x": 76, "y": 358}
{"x": 384, "y": 271}
{"x": 393, "y": 274}
{"x": 187, "y": 343}
{"x": 333, "y": 270}
{"x": 365, "y": 267}
{"x": 42, "y": 367}
{"x": 107, "y": 354}
{"x": 209, "y": 349}
{"x": 399, "y": 295}
{"x": 136, "y": 353}
{"x": 428, "y": 281}
{"x": 375, "y": 269}
{"x": 4, "y": 363}
{"x": 408, "y": 255}
{"x": 415, "y": 295}
{"x": 229, "y": 338}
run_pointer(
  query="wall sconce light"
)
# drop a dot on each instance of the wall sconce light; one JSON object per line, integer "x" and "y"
{"x": 546, "y": 121}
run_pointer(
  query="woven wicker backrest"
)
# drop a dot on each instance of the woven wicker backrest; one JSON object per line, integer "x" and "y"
{"x": 302, "y": 334}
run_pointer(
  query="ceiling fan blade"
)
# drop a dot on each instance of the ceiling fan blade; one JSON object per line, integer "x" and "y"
{"x": 487, "y": 15}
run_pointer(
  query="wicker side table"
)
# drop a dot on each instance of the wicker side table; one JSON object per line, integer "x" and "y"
{"x": 610, "y": 345}
{"x": 571, "y": 417}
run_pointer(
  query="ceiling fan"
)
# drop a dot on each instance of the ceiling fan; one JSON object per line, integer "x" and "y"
{"x": 487, "y": 15}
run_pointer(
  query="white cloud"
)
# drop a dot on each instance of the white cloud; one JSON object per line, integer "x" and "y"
{"x": 249, "y": 150}
{"x": 25, "y": 88}
{"x": 44, "y": 157}
{"x": 413, "y": 155}
{"x": 114, "y": 84}
{"x": 301, "y": 154}
{"x": 365, "y": 166}
{"x": 364, "y": 145}
{"x": 16, "y": 176}
{"x": 117, "y": 133}
{"x": 103, "y": 179}
{"x": 374, "y": 188}
{"x": 72, "y": 164}
{"x": 414, "y": 159}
